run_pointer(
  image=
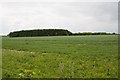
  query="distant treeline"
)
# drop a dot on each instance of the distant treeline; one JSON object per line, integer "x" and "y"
{"x": 51, "y": 32}
{"x": 95, "y": 33}
{"x": 40, "y": 32}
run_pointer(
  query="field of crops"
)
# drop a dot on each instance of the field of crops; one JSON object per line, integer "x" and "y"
{"x": 60, "y": 57}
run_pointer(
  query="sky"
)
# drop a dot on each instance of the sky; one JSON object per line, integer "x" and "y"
{"x": 73, "y": 15}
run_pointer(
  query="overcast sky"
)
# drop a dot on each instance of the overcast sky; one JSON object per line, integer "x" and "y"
{"x": 72, "y": 15}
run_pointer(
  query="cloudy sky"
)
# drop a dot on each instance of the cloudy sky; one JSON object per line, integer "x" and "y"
{"x": 72, "y": 15}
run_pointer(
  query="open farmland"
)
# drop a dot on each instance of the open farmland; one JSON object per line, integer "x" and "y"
{"x": 60, "y": 57}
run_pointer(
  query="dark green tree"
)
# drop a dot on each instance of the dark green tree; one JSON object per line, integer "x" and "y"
{"x": 40, "y": 32}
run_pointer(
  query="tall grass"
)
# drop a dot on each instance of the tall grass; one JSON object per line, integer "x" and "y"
{"x": 61, "y": 57}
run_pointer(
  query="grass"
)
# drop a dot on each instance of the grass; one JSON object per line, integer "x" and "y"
{"x": 60, "y": 57}
{"x": 0, "y": 57}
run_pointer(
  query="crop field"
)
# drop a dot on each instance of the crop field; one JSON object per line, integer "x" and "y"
{"x": 94, "y": 56}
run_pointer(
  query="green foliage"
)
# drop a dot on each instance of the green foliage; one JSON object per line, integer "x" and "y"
{"x": 95, "y": 33}
{"x": 60, "y": 57}
{"x": 0, "y": 57}
{"x": 51, "y": 32}
{"x": 40, "y": 32}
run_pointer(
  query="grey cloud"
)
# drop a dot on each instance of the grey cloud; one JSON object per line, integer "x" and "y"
{"x": 75, "y": 16}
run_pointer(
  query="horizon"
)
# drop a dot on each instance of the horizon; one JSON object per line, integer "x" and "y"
{"x": 63, "y": 29}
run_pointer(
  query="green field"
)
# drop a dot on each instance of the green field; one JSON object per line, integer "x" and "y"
{"x": 60, "y": 57}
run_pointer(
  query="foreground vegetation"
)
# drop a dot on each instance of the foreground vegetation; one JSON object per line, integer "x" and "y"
{"x": 0, "y": 57}
{"x": 61, "y": 57}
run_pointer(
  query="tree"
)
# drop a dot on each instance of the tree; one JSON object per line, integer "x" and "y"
{"x": 40, "y": 32}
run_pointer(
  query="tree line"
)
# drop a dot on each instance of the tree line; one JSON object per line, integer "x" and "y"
{"x": 51, "y": 32}
{"x": 95, "y": 33}
{"x": 40, "y": 32}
